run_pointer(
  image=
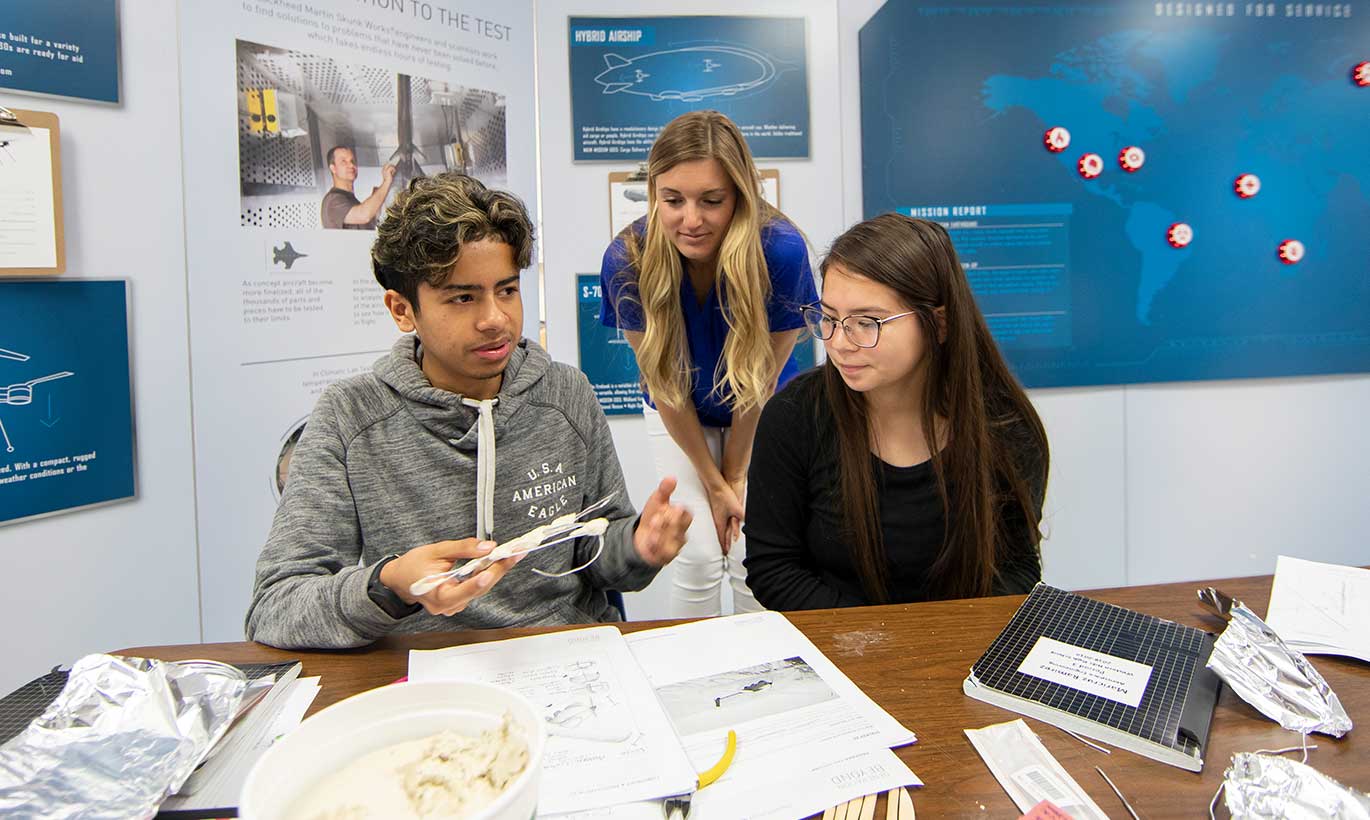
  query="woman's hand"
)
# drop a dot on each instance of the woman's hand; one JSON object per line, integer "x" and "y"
{"x": 739, "y": 486}
{"x": 726, "y": 508}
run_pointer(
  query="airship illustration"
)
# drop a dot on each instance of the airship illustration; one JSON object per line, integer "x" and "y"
{"x": 688, "y": 74}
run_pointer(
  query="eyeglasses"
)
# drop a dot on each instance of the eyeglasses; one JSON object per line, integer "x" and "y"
{"x": 862, "y": 331}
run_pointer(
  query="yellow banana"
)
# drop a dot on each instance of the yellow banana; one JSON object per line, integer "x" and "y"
{"x": 716, "y": 771}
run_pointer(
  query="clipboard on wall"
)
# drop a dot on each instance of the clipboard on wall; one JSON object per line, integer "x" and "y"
{"x": 32, "y": 240}
{"x": 628, "y": 195}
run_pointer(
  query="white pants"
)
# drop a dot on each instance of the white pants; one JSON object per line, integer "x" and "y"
{"x": 700, "y": 567}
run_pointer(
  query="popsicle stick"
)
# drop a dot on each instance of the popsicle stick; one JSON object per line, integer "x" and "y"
{"x": 868, "y": 806}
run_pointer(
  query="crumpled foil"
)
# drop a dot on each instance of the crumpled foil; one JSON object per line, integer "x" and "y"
{"x": 1278, "y": 681}
{"x": 122, "y": 735}
{"x": 1267, "y": 786}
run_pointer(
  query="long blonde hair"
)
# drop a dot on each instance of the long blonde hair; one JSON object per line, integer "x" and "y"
{"x": 744, "y": 284}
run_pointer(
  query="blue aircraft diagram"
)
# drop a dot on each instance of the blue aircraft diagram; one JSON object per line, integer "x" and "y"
{"x": 20, "y": 394}
{"x": 690, "y": 74}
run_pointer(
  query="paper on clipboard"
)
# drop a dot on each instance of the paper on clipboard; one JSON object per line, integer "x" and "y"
{"x": 30, "y": 205}
{"x": 628, "y": 197}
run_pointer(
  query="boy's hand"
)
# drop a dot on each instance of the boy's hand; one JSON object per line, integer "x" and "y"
{"x": 453, "y": 596}
{"x": 661, "y": 529}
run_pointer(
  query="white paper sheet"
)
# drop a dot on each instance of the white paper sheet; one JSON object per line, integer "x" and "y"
{"x": 807, "y": 737}
{"x": 1321, "y": 609}
{"x": 1097, "y": 673}
{"x": 28, "y": 226}
{"x": 802, "y": 793}
{"x": 610, "y": 741}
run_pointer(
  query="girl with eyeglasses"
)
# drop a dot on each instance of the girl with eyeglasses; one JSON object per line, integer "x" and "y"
{"x": 707, "y": 288}
{"x": 911, "y": 466}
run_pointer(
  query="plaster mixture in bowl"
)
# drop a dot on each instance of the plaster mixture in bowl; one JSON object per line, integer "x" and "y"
{"x": 448, "y": 774}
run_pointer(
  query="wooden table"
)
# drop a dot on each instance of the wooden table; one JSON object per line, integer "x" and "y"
{"x": 911, "y": 659}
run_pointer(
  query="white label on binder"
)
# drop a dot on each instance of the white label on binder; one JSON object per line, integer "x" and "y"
{"x": 1099, "y": 674}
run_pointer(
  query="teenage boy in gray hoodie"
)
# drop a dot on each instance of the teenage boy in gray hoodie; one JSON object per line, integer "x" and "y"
{"x": 396, "y": 475}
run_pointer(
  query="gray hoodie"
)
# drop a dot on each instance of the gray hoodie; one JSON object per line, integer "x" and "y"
{"x": 388, "y": 462}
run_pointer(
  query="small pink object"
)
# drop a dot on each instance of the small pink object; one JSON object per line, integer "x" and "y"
{"x": 1045, "y": 810}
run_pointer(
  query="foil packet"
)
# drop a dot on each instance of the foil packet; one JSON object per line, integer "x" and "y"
{"x": 123, "y": 735}
{"x": 1278, "y": 681}
{"x": 1259, "y": 786}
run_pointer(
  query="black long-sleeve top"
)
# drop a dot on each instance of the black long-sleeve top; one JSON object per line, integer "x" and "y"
{"x": 797, "y": 544}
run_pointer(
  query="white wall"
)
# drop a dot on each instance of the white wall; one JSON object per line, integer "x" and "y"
{"x": 124, "y": 574}
{"x": 575, "y": 210}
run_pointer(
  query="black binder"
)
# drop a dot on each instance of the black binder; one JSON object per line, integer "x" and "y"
{"x": 1169, "y": 724}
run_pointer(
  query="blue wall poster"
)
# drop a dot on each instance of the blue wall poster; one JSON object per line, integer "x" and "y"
{"x": 631, "y": 76}
{"x": 1139, "y": 191}
{"x": 66, "y": 410}
{"x": 605, "y": 356}
{"x": 608, "y": 361}
{"x": 68, "y": 48}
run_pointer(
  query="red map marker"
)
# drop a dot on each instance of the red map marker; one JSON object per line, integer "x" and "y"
{"x": 1132, "y": 159}
{"x": 1091, "y": 165}
{"x": 1179, "y": 235}
{"x": 1056, "y": 139}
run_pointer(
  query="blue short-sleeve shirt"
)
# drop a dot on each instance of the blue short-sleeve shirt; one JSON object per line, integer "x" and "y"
{"x": 792, "y": 287}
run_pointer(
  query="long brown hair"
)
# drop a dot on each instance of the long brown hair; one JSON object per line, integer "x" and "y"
{"x": 748, "y": 360}
{"x": 995, "y": 440}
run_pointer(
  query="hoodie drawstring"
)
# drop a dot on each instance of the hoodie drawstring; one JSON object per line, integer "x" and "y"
{"x": 485, "y": 467}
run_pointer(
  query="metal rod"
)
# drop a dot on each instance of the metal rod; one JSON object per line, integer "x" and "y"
{"x": 1126, "y": 804}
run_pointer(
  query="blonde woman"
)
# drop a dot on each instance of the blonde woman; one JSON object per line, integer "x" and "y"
{"x": 708, "y": 289}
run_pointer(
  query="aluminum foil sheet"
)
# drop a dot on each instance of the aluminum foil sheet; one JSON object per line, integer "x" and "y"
{"x": 1279, "y": 682}
{"x": 1267, "y": 786}
{"x": 122, "y": 735}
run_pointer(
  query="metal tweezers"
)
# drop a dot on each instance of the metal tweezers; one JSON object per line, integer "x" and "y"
{"x": 677, "y": 806}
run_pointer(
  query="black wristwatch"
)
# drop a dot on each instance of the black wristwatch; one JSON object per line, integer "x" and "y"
{"x": 385, "y": 597}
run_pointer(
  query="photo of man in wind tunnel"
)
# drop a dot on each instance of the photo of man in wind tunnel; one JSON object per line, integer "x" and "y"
{"x": 326, "y": 144}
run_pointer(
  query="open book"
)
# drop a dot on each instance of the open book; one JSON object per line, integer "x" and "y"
{"x": 634, "y": 718}
{"x": 1132, "y": 680}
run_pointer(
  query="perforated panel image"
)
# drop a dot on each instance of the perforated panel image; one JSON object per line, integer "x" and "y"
{"x": 294, "y": 107}
{"x": 282, "y": 215}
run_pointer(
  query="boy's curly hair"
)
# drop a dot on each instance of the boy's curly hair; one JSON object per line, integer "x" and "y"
{"x": 429, "y": 222}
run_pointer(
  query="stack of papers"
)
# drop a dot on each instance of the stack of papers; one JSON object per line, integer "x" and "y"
{"x": 633, "y": 719}
{"x": 1321, "y": 609}
{"x": 219, "y": 782}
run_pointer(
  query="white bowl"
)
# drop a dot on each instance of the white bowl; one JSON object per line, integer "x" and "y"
{"x": 349, "y": 729}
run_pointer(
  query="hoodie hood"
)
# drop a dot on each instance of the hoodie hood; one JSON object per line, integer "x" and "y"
{"x": 446, "y": 414}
